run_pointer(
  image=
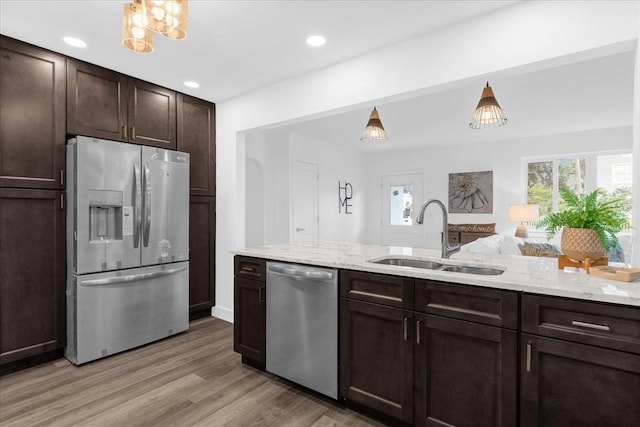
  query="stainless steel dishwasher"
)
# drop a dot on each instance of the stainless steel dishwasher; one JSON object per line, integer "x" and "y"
{"x": 302, "y": 325}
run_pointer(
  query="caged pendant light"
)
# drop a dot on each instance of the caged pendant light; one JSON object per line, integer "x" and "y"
{"x": 374, "y": 131}
{"x": 488, "y": 112}
{"x": 142, "y": 18}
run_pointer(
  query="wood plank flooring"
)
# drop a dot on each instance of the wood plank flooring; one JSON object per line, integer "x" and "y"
{"x": 192, "y": 379}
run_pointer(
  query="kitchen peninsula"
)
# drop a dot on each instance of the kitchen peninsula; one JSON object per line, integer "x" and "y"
{"x": 531, "y": 346}
{"x": 526, "y": 274}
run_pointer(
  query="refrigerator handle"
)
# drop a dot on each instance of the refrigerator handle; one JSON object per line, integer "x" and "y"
{"x": 146, "y": 183}
{"x": 130, "y": 277}
{"x": 137, "y": 204}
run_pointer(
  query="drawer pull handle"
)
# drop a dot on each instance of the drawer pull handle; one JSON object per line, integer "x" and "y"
{"x": 405, "y": 328}
{"x": 249, "y": 271}
{"x": 590, "y": 325}
{"x": 529, "y": 357}
{"x": 418, "y": 331}
{"x": 260, "y": 295}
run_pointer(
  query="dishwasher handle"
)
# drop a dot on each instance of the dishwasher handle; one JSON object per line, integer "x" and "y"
{"x": 293, "y": 271}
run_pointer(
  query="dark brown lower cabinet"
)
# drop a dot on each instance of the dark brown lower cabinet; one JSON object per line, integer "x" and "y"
{"x": 571, "y": 384}
{"x": 377, "y": 357}
{"x": 465, "y": 373}
{"x": 202, "y": 234}
{"x": 458, "y": 367}
{"x": 32, "y": 276}
{"x": 249, "y": 322}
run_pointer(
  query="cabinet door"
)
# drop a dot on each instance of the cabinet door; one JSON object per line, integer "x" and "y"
{"x": 465, "y": 373}
{"x": 32, "y": 277}
{"x": 569, "y": 384}
{"x": 197, "y": 136}
{"x": 32, "y": 116}
{"x": 249, "y": 318}
{"x": 376, "y": 357}
{"x": 202, "y": 229}
{"x": 151, "y": 115}
{"x": 96, "y": 101}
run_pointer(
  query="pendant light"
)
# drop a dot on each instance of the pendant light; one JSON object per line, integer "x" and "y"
{"x": 135, "y": 34}
{"x": 374, "y": 131}
{"x": 488, "y": 112}
{"x": 142, "y": 18}
{"x": 168, "y": 17}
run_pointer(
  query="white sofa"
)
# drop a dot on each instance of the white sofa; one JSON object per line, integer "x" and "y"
{"x": 509, "y": 245}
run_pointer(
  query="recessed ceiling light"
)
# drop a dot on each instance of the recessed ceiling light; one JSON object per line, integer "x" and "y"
{"x": 316, "y": 41}
{"x": 72, "y": 41}
{"x": 191, "y": 84}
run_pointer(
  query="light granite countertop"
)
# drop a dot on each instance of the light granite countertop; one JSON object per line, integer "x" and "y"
{"x": 527, "y": 274}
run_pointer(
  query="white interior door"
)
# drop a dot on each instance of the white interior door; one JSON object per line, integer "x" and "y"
{"x": 305, "y": 201}
{"x": 401, "y": 196}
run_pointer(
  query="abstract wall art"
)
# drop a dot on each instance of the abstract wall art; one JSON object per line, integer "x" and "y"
{"x": 471, "y": 192}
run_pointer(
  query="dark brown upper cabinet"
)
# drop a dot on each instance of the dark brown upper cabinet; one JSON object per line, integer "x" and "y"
{"x": 106, "y": 104}
{"x": 32, "y": 116}
{"x": 197, "y": 136}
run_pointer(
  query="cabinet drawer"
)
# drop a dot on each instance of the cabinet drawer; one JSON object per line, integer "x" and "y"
{"x": 377, "y": 288}
{"x": 488, "y": 306}
{"x": 601, "y": 324}
{"x": 250, "y": 268}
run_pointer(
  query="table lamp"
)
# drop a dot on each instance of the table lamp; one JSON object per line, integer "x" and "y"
{"x": 523, "y": 214}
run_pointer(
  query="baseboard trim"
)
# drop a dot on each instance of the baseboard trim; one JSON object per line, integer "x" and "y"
{"x": 222, "y": 313}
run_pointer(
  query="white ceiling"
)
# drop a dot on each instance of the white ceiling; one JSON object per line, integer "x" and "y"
{"x": 234, "y": 47}
{"x": 585, "y": 95}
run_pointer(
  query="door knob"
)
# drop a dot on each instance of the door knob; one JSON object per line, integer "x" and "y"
{"x": 299, "y": 229}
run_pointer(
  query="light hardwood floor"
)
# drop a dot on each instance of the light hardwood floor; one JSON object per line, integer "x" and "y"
{"x": 192, "y": 379}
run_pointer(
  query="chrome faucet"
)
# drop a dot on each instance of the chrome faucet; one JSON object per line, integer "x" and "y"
{"x": 447, "y": 250}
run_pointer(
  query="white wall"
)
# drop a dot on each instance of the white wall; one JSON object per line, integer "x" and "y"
{"x": 335, "y": 164}
{"x": 255, "y": 199}
{"x": 269, "y": 199}
{"x": 636, "y": 158}
{"x": 272, "y": 153}
{"x": 529, "y": 35}
{"x": 503, "y": 158}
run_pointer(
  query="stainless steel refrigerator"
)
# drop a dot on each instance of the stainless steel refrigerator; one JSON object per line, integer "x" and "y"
{"x": 127, "y": 246}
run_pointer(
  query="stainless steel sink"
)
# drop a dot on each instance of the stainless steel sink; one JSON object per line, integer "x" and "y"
{"x": 484, "y": 271}
{"x": 431, "y": 265}
{"x": 415, "y": 263}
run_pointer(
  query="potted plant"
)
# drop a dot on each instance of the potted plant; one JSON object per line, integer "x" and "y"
{"x": 589, "y": 224}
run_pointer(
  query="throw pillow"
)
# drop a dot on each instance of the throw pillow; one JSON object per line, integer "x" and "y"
{"x": 539, "y": 249}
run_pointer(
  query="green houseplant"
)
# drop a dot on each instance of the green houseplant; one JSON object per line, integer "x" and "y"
{"x": 589, "y": 224}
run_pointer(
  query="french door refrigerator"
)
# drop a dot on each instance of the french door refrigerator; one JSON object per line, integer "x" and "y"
{"x": 127, "y": 246}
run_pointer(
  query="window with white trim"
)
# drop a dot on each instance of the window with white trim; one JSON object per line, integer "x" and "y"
{"x": 621, "y": 173}
{"x": 581, "y": 174}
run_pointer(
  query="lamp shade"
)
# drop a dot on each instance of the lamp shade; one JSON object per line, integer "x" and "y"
{"x": 374, "y": 131}
{"x": 524, "y": 213}
{"x": 135, "y": 34}
{"x": 168, "y": 17}
{"x": 488, "y": 112}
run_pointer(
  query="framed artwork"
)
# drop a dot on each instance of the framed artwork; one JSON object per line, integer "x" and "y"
{"x": 471, "y": 192}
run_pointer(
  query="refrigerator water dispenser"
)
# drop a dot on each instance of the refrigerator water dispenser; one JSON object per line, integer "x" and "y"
{"x": 105, "y": 215}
